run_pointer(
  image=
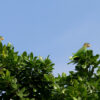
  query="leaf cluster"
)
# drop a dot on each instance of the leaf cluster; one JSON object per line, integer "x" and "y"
{"x": 29, "y": 77}
{"x": 24, "y": 77}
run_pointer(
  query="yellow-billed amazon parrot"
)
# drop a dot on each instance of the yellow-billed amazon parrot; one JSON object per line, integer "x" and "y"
{"x": 80, "y": 51}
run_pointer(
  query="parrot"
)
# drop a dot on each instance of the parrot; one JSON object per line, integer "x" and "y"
{"x": 1, "y": 38}
{"x": 80, "y": 51}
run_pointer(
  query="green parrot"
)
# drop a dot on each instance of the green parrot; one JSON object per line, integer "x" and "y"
{"x": 80, "y": 51}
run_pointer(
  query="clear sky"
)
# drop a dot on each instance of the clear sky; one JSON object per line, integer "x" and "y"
{"x": 51, "y": 27}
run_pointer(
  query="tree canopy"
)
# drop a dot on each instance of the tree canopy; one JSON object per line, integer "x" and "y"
{"x": 29, "y": 77}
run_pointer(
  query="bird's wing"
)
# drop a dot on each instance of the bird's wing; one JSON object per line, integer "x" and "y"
{"x": 83, "y": 49}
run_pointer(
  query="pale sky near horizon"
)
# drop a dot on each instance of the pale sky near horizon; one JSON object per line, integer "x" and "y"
{"x": 51, "y": 27}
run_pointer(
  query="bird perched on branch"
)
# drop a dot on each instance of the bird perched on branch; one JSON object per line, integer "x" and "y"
{"x": 80, "y": 51}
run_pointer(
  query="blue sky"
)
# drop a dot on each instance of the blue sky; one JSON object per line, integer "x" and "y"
{"x": 51, "y": 27}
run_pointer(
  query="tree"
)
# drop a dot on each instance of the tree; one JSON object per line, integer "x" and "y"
{"x": 82, "y": 84}
{"x": 24, "y": 77}
{"x": 28, "y": 77}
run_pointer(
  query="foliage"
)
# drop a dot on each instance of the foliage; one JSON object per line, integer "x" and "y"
{"x": 24, "y": 77}
{"x": 82, "y": 84}
{"x": 28, "y": 77}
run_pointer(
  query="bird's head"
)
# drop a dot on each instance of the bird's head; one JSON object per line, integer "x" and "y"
{"x": 86, "y": 45}
{"x": 1, "y": 38}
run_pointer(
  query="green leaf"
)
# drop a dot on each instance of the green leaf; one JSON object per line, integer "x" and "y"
{"x": 7, "y": 73}
{"x": 31, "y": 56}
{"x": 74, "y": 98}
{"x": 46, "y": 77}
{"x": 98, "y": 72}
{"x": 63, "y": 74}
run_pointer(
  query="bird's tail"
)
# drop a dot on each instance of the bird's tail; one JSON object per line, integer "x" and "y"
{"x": 72, "y": 57}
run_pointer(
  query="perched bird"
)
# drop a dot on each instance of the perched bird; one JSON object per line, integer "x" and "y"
{"x": 80, "y": 51}
{"x": 1, "y": 38}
